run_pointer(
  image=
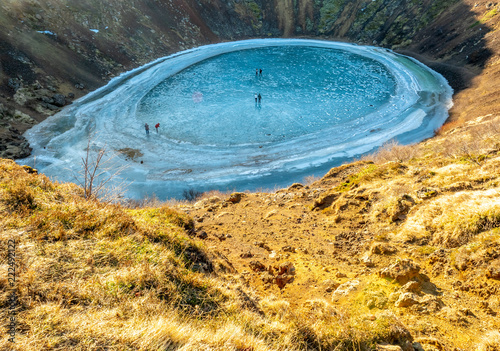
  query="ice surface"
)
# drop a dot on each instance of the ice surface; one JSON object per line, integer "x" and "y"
{"x": 46, "y": 32}
{"x": 322, "y": 103}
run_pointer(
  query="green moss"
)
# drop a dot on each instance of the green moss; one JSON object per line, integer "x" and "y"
{"x": 329, "y": 14}
{"x": 252, "y": 5}
{"x": 365, "y": 174}
{"x": 488, "y": 16}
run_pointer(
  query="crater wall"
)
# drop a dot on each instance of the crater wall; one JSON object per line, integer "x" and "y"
{"x": 54, "y": 51}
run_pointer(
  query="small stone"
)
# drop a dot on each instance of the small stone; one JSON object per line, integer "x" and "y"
{"x": 270, "y": 213}
{"x": 30, "y": 170}
{"x": 256, "y": 266}
{"x": 340, "y": 275}
{"x": 288, "y": 249}
{"x": 330, "y": 285}
{"x": 59, "y": 100}
{"x": 202, "y": 235}
{"x": 493, "y": 271}
{"x": 386, "y": 347}
{"x": 367, "y": 261}
{"x": 267, "y": 278}
{"x": 282, "y": 280}
{"x": 286, "y": 268}
{"x": 247, "y": 254}
{"x": 382, "y": 249}
{"x": 295, "y": 186}
{"x": 426, "y": 193}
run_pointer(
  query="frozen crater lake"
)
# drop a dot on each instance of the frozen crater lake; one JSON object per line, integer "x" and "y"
{"x": 321, "y": 103}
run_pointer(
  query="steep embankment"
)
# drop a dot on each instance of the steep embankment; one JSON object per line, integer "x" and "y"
{"x": 54, "y": 51}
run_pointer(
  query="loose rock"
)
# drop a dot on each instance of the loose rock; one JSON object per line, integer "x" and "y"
{"x": 402, "y": 271}
{"x": 407, "y": 300}
{"x": 345, "y": 289}
{"x": 256, "y": 266}
{"x": 381, "y": 347}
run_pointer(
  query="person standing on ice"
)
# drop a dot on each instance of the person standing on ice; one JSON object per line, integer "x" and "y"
{"x": 259, "y": 97}
{"x": 157, "y": 126}
{"x": 256, "y": 72}
{"x": 146, "y": 126}
{"x": 260, "y": 72}
{"x": 255, "y": 97}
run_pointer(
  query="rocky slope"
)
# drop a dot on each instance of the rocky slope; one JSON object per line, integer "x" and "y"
{"x": 416, "y": 236}
{"x": 54, "y": 51}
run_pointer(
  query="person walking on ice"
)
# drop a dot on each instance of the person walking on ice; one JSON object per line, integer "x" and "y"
{"x": 259, "y": 97}
{"x": 255, "y": 97}
{"x": 146, "y": 126}
{"x": 157, "y": 126}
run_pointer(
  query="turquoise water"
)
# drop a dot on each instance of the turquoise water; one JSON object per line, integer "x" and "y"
{"x": 323, "y": 103}
{"x": 304, "y": 90}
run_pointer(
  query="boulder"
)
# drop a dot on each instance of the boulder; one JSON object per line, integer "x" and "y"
{"x": 402, "y": 271}
{"x": 59, "y": 100}
{"x": 407, "y": 300}
{"x": 382, "y": 249}
{"x": 412, "y": 287}
{"x": 235, "y": 197}
{"x": 345, "y": 289}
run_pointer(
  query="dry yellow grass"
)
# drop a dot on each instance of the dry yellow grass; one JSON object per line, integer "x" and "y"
{"x": 453, "y": 220}
{"x": 96, "y": 276}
